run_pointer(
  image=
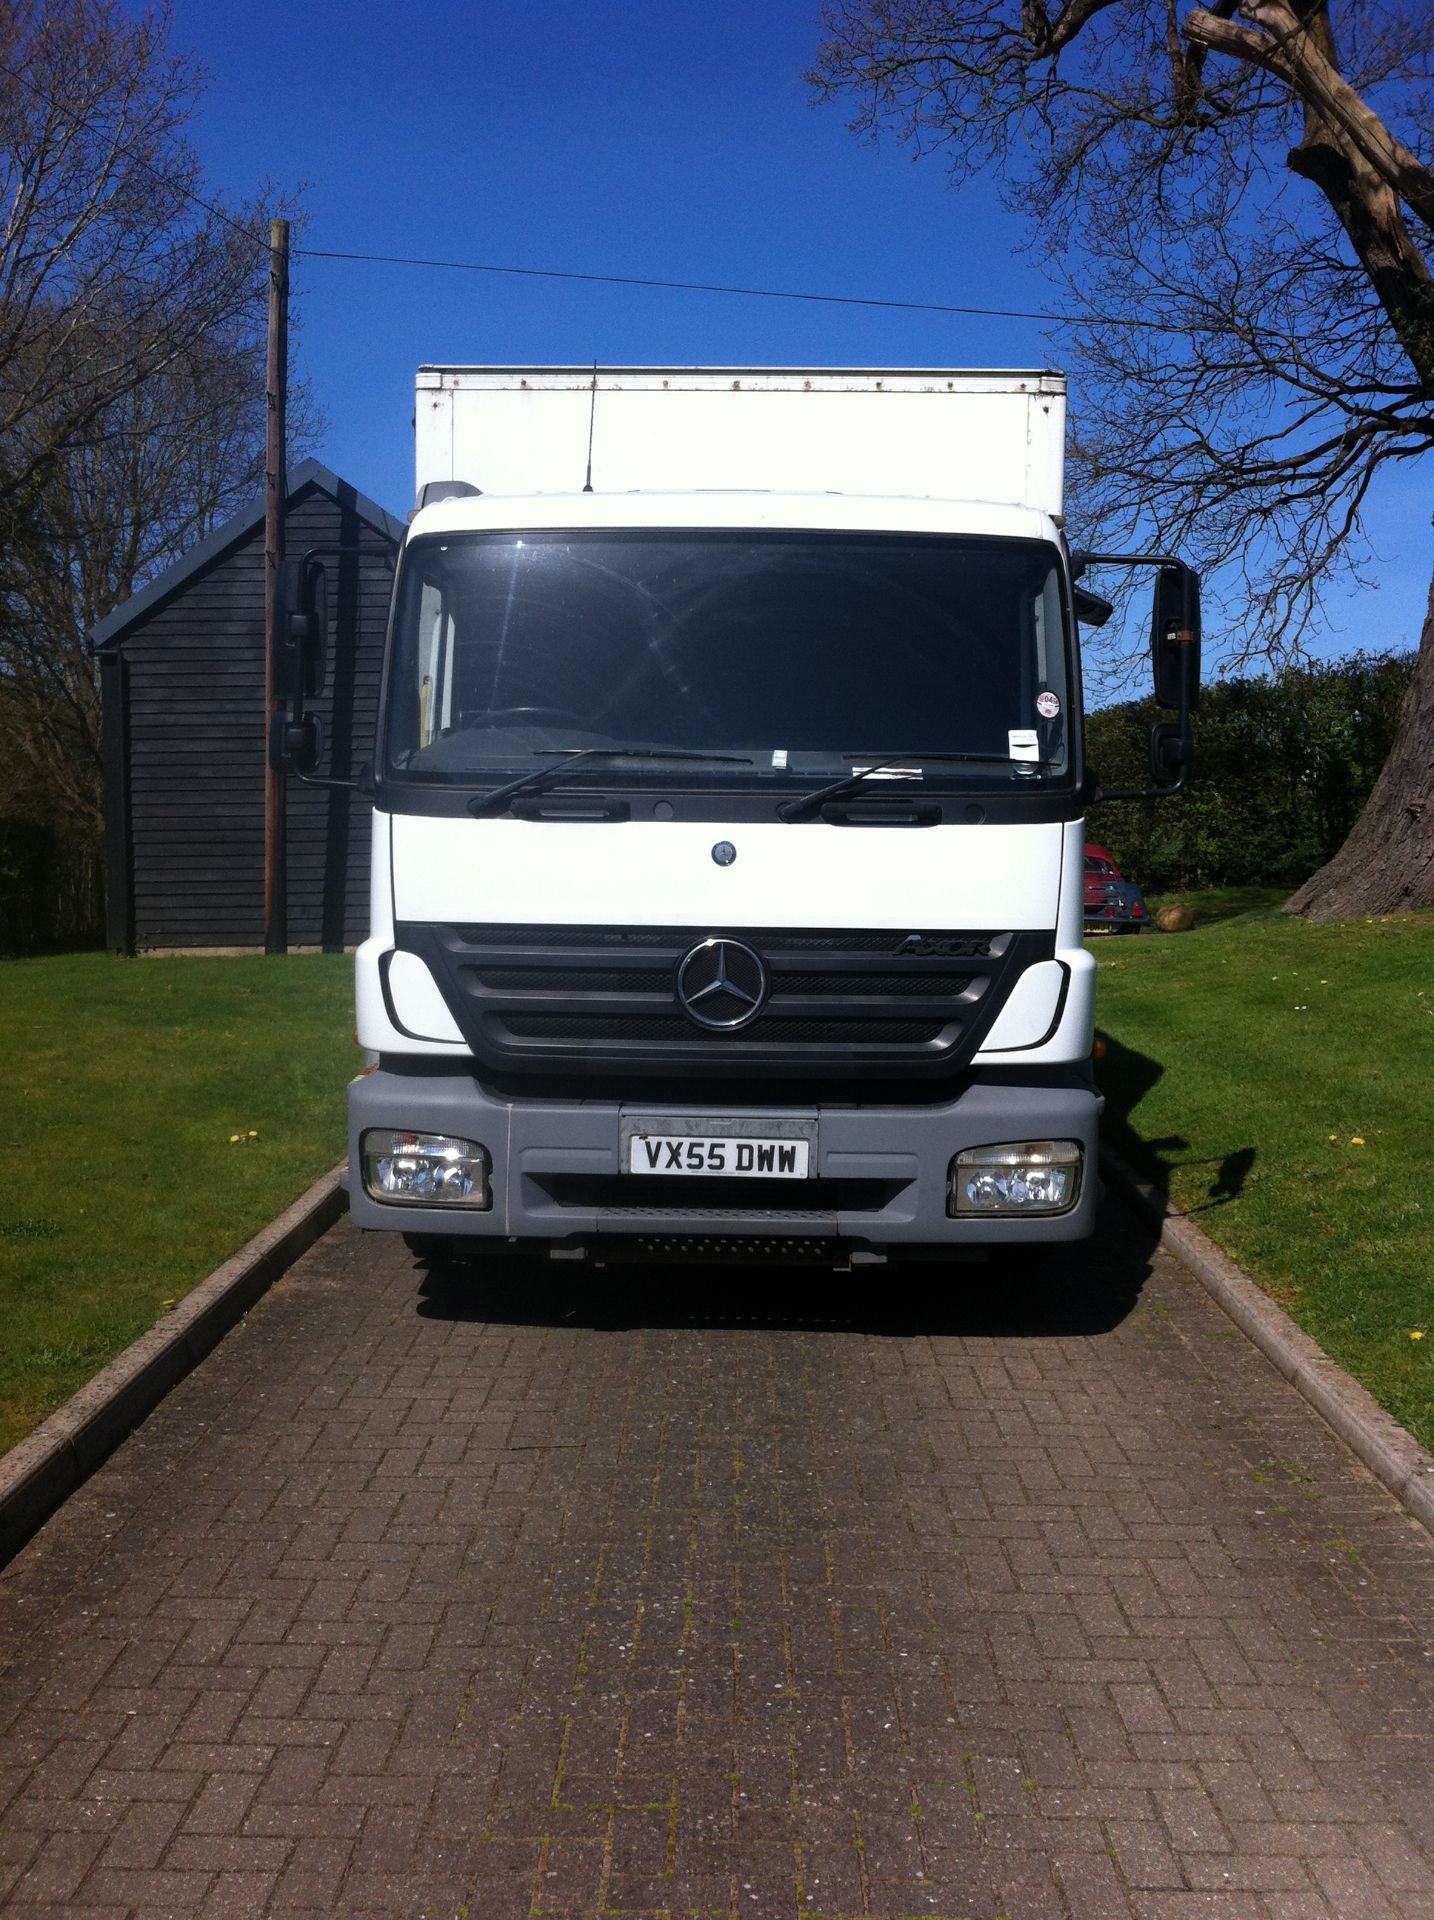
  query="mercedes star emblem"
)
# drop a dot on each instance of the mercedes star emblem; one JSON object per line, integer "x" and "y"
{"x": 724, "y": 853}
{"x": 722, "y": 984}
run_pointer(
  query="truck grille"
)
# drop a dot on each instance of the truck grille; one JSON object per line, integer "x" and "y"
{"x": 839, "y": 1003}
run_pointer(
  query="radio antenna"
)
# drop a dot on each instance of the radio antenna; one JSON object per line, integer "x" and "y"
{"x": 592, "y": 415}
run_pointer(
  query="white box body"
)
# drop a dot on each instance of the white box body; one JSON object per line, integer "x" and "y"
{"x": 932, "y": 433}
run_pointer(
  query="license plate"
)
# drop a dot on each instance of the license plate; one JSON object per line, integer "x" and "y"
{"x": 741, "y": 1156}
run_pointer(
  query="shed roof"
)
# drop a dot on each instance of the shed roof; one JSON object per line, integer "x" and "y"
{"x": 309, "y": 473}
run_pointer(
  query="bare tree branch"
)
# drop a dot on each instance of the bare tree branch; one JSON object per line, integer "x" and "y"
{"x": 1237, "y": 176}
{"x": 131, "y": 363}
{"x": 1166, "y": 165}
{"x": 1289, "y": 48}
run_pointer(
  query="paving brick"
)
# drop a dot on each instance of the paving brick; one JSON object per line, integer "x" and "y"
{"x": 59, "y": 1865}
{"x": 1307, "y": 1905}
{"x": 1191, "y": 1820}
{"x": 68, "y": 1910}
{"x": 1192, "y": 1906}
{"x": 1399, "y": 1864}
{"x": 1093, "y": 1886}
{"x": 142, "y": 1835}
{"x": 760, "y": 1607}
{"x": 237, "y": 1896}
{"x": 1245, "y": 1873}
{"x": 131, "y": 1887}
{"x": 1352, "y": 1890}
{"x": 1142, "y": 1851}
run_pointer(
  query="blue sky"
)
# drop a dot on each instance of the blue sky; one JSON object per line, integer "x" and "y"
{"x": 645, "y": 138}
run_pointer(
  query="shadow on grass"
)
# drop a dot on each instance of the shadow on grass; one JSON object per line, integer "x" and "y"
{"x": 1126, "y": 1076}
{"x": 1078, "y": 1290}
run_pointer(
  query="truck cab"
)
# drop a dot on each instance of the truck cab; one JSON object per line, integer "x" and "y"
{"x": 728, "y": 841}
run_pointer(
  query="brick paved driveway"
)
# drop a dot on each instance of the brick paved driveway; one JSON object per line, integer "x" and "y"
{"x": 766, "y": 1607}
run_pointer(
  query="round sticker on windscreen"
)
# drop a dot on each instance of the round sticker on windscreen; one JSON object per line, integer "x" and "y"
{"x": 1048, "y": 705}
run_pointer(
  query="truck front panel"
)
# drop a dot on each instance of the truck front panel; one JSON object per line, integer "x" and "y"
{"x": 727, "y": 883}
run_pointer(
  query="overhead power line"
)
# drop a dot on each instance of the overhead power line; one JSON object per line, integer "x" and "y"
{"x": 690, "y": 286}
{"x": 1041, "y": 314}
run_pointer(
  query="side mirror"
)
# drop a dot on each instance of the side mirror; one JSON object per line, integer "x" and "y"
{"x": 301, "y": 620}
{"x": 1174, "y": 660}
{"x": 1092, "y": 610}
{"x": 1175, "y": 638}
{"x": 296, "y": 744}
{"x": 301, "y": 626}
{"x": 1170, "y": 754}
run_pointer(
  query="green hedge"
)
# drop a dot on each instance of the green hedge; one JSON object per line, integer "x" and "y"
{"x": 1283, "y": 766}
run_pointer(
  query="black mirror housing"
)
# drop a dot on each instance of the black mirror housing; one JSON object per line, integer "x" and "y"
{"x": 1175, "y": 638}
{"x": 1091, "y": 609}
{"x": 300, "y": 645}
{"x": 301, "y": 622}
{"x": 1174, "y": 660}
{"x": 295, "y": 745}
{"x": 1169, "y": 754}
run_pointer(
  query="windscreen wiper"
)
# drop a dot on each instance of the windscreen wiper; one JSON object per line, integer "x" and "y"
{"x": 808, "y": 803}
{"x": 541, "y": 777}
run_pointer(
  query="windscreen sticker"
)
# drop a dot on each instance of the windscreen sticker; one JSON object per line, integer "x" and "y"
{"x": 1023, "y": 743}
{"x": 1048, "y": 704}
{"x": 779, "y": 756}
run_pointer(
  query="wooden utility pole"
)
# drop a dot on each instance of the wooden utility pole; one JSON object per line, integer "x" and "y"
{"x": 276, "y": 491}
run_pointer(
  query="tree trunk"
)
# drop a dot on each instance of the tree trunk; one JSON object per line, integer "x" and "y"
{"x": 1386, "y": 864}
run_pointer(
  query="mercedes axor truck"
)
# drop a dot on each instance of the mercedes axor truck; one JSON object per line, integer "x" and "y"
{"x": 728, "y": 816}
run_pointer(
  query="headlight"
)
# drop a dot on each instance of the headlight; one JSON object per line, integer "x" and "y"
{"x": 424, "y": 1169}
{"x": 1022, "y": 1176}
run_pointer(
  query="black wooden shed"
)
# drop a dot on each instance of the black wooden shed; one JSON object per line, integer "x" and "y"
{"x": 182, "y": 674}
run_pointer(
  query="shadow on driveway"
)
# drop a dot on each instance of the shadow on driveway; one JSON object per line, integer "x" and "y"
{"x": 1077, "y": 1291}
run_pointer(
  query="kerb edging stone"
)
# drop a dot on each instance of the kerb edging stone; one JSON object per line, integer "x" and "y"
{"x": 39, "y": 1474}
{"x": 1390, "y": 1452}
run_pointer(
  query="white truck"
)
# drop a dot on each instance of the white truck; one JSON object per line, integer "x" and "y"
{"x": 728, "y": 812}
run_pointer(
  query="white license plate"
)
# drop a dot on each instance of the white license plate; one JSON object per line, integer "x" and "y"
{"x": 741, "y": 1156}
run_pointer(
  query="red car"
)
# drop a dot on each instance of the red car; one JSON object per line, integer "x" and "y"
{"x": 1112, "y": 904}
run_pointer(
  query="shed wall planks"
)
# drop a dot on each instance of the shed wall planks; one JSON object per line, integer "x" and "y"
{"x": 192, "y": 754}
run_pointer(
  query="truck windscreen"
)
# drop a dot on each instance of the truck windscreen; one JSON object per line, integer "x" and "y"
{"x": 801, "y": 652}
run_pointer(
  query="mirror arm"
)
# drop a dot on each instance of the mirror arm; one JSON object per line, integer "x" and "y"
{"x": 326, "y": 780}
{"x": 1080, "y": 560}
{"x": 1141, "y": 793}
{"x": 361, "y": 782}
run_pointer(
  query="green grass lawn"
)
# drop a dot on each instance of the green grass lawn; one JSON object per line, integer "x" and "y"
{"x": 120, "y": 1188}
{"x": 1277, "y": 1080}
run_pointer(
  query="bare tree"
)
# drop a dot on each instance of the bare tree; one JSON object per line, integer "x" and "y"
{"x": 1245, "y": 243}
{"x": 169, "y": 461}
{"x": 131, "y": 362}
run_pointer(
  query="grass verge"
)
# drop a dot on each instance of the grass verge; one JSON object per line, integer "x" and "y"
{"x": 1276, "y": 1079}
{"x": 121, "y": 1185}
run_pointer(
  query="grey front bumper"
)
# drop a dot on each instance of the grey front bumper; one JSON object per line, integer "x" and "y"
{"x": 880, "y": 1172}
